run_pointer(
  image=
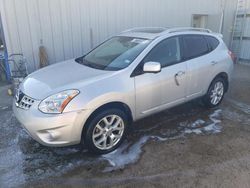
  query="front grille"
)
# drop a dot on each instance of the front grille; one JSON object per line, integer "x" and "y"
{"x": 23, "y": 101}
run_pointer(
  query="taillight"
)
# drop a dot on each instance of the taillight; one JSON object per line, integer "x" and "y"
{"x": 233, "y": 57}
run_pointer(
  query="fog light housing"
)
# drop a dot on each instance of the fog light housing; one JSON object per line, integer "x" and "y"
{"x": 53, "y": 135}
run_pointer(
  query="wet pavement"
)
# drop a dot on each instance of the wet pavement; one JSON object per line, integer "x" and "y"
{"x": 163, "y": 145}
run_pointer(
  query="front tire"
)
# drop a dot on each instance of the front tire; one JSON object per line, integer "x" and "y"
{"x": 106, "y": 131}
{"x": 215, "y": 93}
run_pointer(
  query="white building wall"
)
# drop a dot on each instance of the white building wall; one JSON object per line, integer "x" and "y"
{"x": 245, "y": 45}
{"x": 70, "y": 28}
{"x": 241, "y": 39}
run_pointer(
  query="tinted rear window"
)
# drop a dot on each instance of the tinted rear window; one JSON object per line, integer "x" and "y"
{"x": 195, "y": 46}
{"x": 213, "y": 42}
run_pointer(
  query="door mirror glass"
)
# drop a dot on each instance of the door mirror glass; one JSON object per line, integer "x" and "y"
{"x": 152, "y": 67}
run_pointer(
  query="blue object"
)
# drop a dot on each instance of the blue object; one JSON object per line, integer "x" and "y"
{"x": 7, "y": 66}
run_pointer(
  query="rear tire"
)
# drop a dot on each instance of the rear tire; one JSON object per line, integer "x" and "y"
{"x": 215, "y": 93}
{"x": 106, "y": 131}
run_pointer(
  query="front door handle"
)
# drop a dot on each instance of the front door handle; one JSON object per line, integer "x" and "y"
{"x": 180, "y": 73}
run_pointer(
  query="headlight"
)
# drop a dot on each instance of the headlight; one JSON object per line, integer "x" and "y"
{"x": 56, "y": 103}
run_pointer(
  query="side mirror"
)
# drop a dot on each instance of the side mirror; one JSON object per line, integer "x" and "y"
{"x": 152, "y": 67}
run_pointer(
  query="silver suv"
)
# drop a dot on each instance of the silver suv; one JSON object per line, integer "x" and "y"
{"x": 93, "y": 99}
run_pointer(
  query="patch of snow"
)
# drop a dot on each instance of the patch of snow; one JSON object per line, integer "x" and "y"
{"x": 235, "y": 115}
{"x": 200, "y": 126}
{"x": 197, "y": 123}
{"x": 125, "y": 154}
{"x": 241, "y": 106}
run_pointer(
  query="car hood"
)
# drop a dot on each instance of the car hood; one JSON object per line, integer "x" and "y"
{"x": 58, "y": 77}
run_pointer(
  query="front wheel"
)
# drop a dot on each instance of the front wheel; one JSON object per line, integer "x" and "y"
{"x": 215, "y": 93}
{"x": 106, "y": 131}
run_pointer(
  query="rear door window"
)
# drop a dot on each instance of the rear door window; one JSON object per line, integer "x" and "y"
{"x": 194, "y": 46}
{"x": 212, "y": 41}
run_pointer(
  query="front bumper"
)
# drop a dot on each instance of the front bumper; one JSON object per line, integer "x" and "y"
{"x": 52, "y": 129}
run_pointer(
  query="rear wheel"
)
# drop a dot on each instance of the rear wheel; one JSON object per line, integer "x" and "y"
{"x": 215, "y": 93}
{"x": 106, "y": 131}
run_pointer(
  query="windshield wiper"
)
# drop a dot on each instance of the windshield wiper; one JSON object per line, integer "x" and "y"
{"x": 79, "y": 59}
{"x": 82, "y": 61}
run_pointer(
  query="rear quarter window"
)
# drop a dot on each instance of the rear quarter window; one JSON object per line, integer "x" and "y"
{"x": 194, "y": 46}
{"x": 213, "y": 42}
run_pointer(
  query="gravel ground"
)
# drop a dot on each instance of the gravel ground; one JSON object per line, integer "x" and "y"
{"x": 187, "y": 146}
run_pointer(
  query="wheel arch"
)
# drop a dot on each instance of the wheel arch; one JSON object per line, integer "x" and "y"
{"x": 118, "y": 105}
{"x": 224, "y": 76}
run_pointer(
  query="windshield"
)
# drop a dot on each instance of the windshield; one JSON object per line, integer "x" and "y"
{"x": 115, "y": 54}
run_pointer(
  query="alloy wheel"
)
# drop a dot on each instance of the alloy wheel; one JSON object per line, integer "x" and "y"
{"x": 217, "y": 93}
{"x": 108, "y": 132}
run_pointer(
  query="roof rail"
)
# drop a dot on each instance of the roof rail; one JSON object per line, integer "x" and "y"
{"x": 146, "y": 29}
{"x": 172, "y": 30}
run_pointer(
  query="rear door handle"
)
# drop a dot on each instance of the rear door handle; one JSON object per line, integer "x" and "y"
{"x": 214, "y": 62}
